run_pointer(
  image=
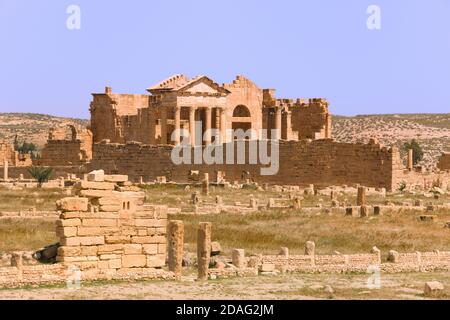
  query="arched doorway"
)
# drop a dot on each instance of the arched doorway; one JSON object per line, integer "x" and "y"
{"x": 241, "y": 119}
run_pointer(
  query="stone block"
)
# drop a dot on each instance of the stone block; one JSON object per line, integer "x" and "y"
{"x": 89, "y": 250}
{"x": 72, "y": 204}
{"x": 115, "y": 239}
{"x": 99, "y": 223}
{"x": 115, "y": 178}
{"x": 115, "y": 263}
{"x": 150, "y": 249}
{"x": 133, "y": 261}
{"x": 156, "y": 261}
{"x": 238, "y": 258}
{"x": 68, "y": 223}
{"x": 96, "y": 176}
{"x": 132, "y": 248}
{"x": 95, "y": 185}
{"x": 433, "y": 288}
{"x": 96, "y": 193}
{"x": 110, "y": 248}
{"x": 69, "y": 251}
{"x": 267, "y": 267}
{"x": 215, "y": 248}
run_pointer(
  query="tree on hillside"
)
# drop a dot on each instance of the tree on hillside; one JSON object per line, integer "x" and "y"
{"x": 417, "y": 150}
{"x": 41, "y": 174}
{"x": 24, "y": 147}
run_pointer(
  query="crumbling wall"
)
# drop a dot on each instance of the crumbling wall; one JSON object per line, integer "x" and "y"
{"x": 311, "y": 119}
{"x": 14, "y": 158}
{"x": 421, "y": 180}
{"x": 110, "y": 230}
{"x": 318, "y": 162}
{"x": 61, "y": 150}
{"x": 119, "y": 117}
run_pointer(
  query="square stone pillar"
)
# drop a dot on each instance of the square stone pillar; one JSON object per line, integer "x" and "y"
{"x": 203, "y": 249}
{"x": 177, "y": 124}
{"x": 192, "y": 125}
{"x": 208, "y": 126}
{"x": 361, "y": 197}
{"x": 175, "y": 231}
{"x": 163, "y": 125}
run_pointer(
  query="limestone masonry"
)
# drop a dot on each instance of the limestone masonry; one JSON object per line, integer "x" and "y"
{"x": 132, "y": 134}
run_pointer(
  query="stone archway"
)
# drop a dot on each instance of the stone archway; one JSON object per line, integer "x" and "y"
{"x": 242, "y": 119}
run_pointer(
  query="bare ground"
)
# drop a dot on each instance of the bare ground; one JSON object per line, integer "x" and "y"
{"x": 291, "y": 287}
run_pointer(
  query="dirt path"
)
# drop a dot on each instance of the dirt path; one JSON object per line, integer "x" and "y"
{"x": 399, "y": 286}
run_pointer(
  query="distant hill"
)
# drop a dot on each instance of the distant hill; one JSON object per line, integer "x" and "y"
{"x": 431, "y": 130}
{"x": 32, "y": 127}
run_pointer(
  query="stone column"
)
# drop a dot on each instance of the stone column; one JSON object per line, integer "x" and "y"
{"x": 205, "y": 184}
{"x": 310, "y": 250}
{"x": 192, "y": 125}
{"x": 223, "y": 126}
{"x": 203, "y": 249}
{"x": 278, "y": 123}
{"x": 288, "y": 125}
{"x": 163, "y": 125}
{"x": 410, "y": 160}
{"x": 177, "y": 124}
{"x": 208, "y": 126}
{"x": 361, "y": 198}
{"x": 175, "y": 231}
{"x": 5, "y": 170}
{"x": 238, "y": 258}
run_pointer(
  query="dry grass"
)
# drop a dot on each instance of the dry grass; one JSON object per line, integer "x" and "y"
{"x": 26, "y": 234}
{"x": 267, "y": 232}
{"x": 262, "y": 232}
{"x": 25, "y": 199}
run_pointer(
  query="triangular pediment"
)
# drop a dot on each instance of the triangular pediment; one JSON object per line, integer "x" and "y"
{"x": 202, "y": 84}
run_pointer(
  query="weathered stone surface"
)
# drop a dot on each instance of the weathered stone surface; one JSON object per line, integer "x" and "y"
{"x": 215, "y": 248}
{"x": 363, "y": 211}
{"x": 72, "y": 204}
{"x": 433, "y": 288}
{"x": 135, "y": 260}
{"x": 267, "y": 267}
{"x": 115, "y": 177}
{"x": 238, "y": 258}
{"x": 310, "y": 248}
{"x": 284, "y": 252}
{"x": 203, "y": 249}
{"x": 175, "y": 232}
{"x": 361, "y": 197}
{"x": 96, "y": 175}
{"x": 95, "y": 185}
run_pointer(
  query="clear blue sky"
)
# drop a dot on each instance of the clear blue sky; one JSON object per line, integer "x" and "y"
{"x": 315, "y": 48}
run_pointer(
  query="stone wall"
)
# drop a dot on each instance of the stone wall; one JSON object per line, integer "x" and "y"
{"x": 62, "y": 151}
{"x": 13, "y": 157}
{"x": 319, "y": 162}
{"x": 421, "y": 180}
{"x": 109, "y": 229}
